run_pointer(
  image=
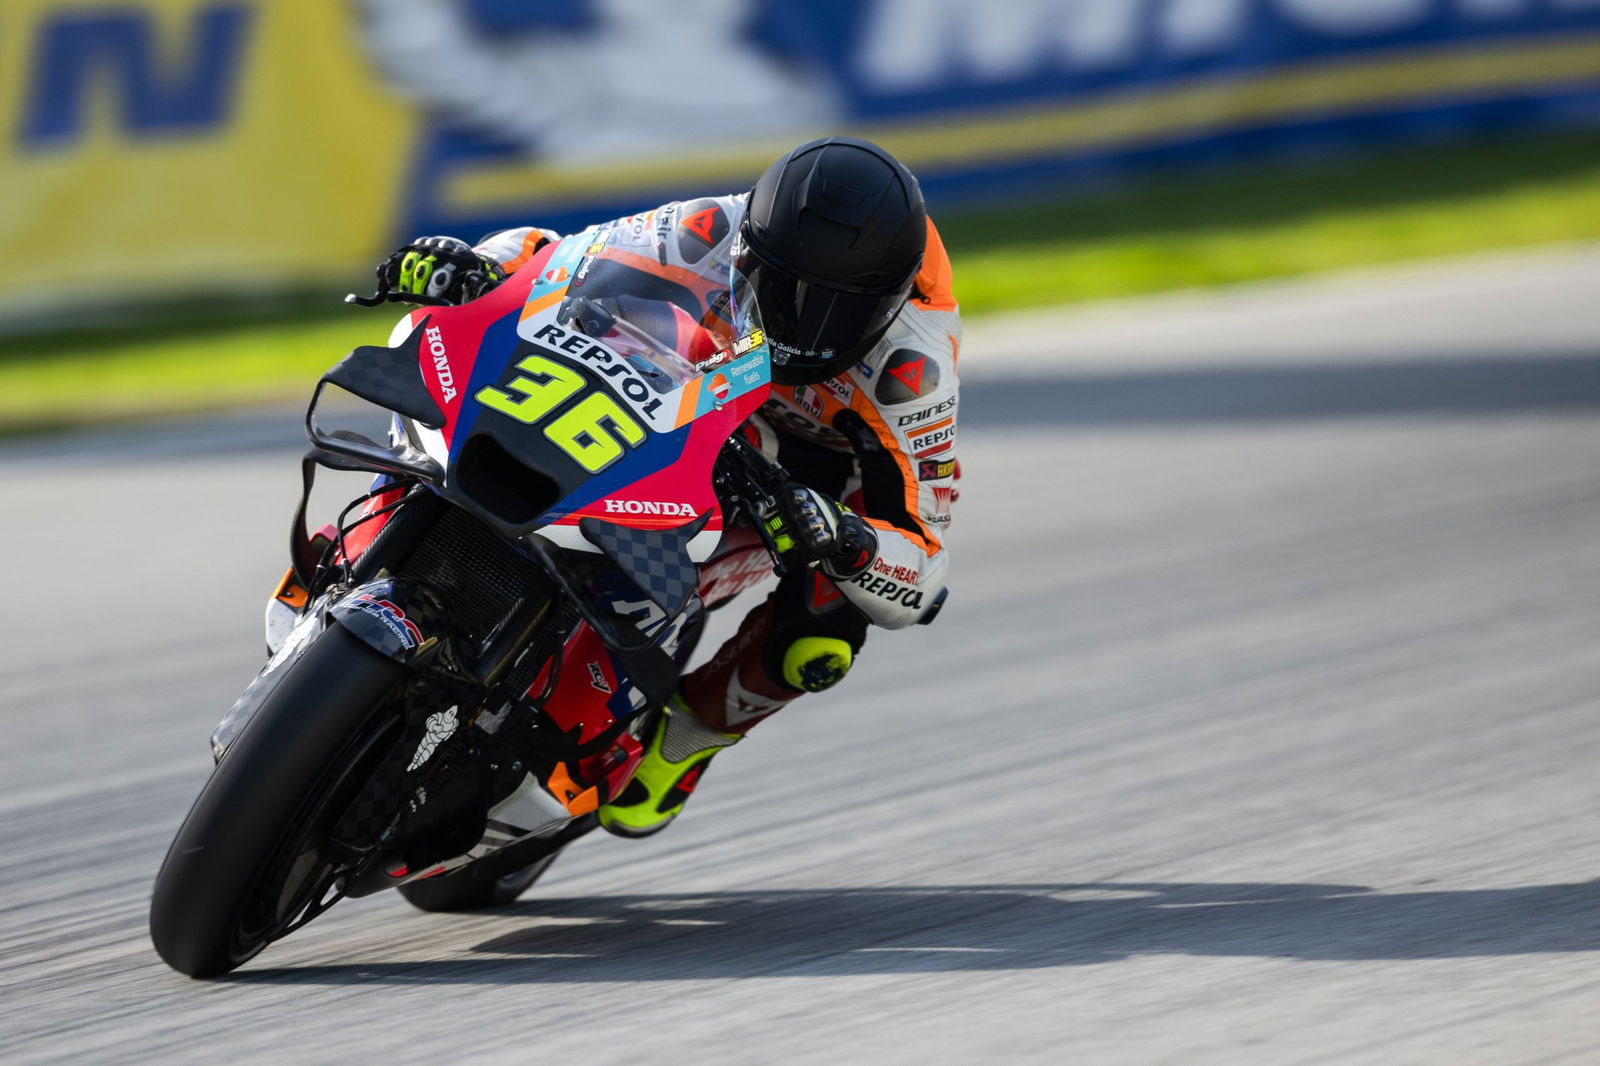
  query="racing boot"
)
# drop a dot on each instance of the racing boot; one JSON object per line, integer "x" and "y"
{"x": 719, "y": 702}
{"x": 676, "y": 755}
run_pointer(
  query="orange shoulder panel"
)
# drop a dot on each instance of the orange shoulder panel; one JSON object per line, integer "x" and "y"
{"x": 934, "y": 284}
{"x": 923, "y": 536}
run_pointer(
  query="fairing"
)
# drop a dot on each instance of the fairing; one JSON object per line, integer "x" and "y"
{"x": 686, "y": 377}
{"x": 579, "y": 409}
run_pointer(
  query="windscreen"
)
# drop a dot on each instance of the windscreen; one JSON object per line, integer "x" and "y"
{"x": 670, "y": 326}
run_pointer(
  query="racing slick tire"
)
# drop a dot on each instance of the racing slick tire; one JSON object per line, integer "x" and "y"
{"x": 252, "y": 847}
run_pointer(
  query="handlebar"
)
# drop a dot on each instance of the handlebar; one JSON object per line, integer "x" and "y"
{"x": 384, "y": 294}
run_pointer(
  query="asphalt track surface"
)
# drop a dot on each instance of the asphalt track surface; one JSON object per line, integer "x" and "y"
{"x": 1262, "y": 727}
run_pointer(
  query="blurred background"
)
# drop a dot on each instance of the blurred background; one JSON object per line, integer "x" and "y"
{"x": 1261, "y": 724}
{"x": 210, "y": 175}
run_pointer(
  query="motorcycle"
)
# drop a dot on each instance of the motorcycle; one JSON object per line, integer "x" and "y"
{"x": 475, "y": 649}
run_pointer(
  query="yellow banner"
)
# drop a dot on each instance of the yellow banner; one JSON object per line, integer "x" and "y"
{"x": 159, "y": 146}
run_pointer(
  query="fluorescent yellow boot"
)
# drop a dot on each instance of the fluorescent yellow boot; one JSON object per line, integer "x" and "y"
{"x": 675, "y": 757}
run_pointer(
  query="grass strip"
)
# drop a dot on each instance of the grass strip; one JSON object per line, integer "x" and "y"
{"x": 1176, "y": 231}
{"x": 1283, "y": 221}
{"x": 96, "y": 377}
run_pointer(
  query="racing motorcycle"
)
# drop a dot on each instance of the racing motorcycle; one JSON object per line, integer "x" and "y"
{"x": 476, "y": 647}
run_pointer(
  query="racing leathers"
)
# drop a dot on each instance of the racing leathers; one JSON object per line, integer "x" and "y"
{"x": 879, "y": 437}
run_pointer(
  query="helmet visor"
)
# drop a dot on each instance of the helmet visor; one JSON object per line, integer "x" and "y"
{"x": 808, "y": 324}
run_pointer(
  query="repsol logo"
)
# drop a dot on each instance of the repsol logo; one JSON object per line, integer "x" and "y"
{"x": 666, "y": 507}
{"x": 623, "y": 376}
{"x": 441, "y": 365}
{"x": 889, "y": 591}
{"x": 930, "y": 438}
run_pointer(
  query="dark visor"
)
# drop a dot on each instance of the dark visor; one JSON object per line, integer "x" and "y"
{"x": 810, "y": 322}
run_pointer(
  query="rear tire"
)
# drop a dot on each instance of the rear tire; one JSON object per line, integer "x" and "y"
{"x": 248, "y": 850}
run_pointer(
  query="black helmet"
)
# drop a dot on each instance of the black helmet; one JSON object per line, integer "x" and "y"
{"x": 831, "y": 243}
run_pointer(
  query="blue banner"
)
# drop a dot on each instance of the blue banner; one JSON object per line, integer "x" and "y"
{"x": 564, "y": 113}
{"x": 160, "y": 148}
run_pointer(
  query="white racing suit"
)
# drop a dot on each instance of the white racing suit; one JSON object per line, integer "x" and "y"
{"x": 880, "y": 437}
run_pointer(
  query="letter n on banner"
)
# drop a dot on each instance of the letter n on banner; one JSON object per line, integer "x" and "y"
{"x": 83, "y": 52}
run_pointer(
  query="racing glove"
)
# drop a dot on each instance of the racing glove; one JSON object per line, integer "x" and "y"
{"x": 440, "y": 270}
{"x": 821, "y": 532}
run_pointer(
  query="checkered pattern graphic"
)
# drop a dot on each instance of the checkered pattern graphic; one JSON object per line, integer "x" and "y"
{"x": 657, "y": 559}
{"x": 390, "y": 377}
{"x": 376, "y": 805}
{"x": 387, "y": 790}
{"x": 425, "y": 610}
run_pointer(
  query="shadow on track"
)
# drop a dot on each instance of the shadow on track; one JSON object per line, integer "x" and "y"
{"x": 835, "y": 932}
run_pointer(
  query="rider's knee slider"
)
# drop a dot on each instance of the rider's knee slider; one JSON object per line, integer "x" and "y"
{"x": 812, "y": 664}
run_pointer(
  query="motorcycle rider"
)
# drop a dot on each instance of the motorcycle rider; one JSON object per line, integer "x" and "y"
{"x": 854, "y": 290}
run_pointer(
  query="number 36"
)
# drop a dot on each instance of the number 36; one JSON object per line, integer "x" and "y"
{"x": 589, "y": 431}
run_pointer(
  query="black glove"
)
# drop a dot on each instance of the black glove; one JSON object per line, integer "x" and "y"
{"x": 439, "y": 270}
{"x": 822, "y": 532}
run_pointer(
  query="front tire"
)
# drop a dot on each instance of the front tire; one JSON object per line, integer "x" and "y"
{"x": 249, "y": 850}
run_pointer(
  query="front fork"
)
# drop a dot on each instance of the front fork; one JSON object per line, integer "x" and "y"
{"x": 402, "y": 619}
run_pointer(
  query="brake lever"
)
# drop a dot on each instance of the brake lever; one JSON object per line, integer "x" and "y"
{"x": 388, "y": 295}
{"x": 751, "y": 482}
{"x": 779, "y": 567}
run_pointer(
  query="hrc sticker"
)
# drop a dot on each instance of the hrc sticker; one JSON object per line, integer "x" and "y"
{"x": 393, "y": 618}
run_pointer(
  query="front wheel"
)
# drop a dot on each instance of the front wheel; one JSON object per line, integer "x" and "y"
{"x": 250, "y": 857}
